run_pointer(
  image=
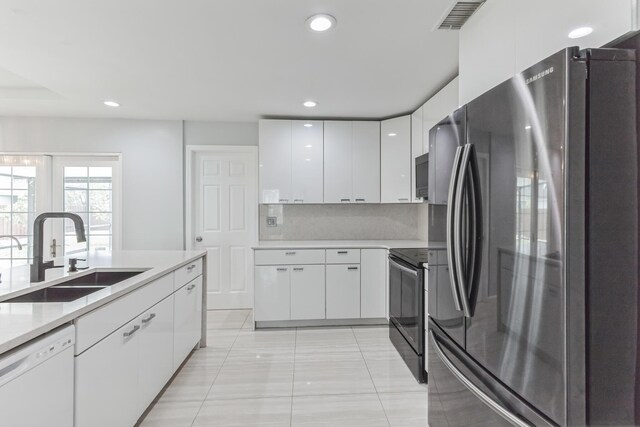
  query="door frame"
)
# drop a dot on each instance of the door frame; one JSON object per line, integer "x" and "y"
{"x": 190, "y": 152}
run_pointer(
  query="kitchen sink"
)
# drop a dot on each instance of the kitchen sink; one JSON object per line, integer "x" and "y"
{"x": 77, "y": 287}
{"x": 100, "y": 278}
{"x": 56, "y": 294}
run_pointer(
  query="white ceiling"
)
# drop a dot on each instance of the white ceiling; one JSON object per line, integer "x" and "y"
{"x": 227, "y": 60}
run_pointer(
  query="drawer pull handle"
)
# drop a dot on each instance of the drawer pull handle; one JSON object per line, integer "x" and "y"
{"x": 191, "y": 267}
{"x": 284, "y": 200}
{"x": 149, "y": 319}
{"x": 298, "y": 200}
{"x": 191, "y": 287}
{"x": 131, "y": 332}
{"x": 289, "y": 253}
{"x": 403, "y": 199}
{"x": 345, "y": 200}
{"x": 343, "y": 252}
{"x": 298, "y": 269}
{"x": 281, "y": 269}
{"x": 352, "y": 268}
{"x": 360, "y": 200}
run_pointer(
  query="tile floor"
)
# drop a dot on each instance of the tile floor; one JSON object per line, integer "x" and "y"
{"x": 349, "y": 376}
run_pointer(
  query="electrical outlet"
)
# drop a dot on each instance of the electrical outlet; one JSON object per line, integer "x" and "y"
{"x": 272, "y": 221}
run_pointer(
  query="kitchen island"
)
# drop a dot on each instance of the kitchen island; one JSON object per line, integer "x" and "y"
{"x": 130, "y": 320}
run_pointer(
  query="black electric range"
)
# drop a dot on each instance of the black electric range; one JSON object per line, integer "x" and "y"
{"x": 407, "y": 306}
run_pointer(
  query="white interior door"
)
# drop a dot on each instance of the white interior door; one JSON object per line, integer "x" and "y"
{"x": 223, "y": 201}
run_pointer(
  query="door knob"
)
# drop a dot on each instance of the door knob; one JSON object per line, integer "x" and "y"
{"x": 198, "y": 239}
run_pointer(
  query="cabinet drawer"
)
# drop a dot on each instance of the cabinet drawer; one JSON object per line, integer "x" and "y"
{"x": 289, "y": 257}
{"x": 96, "y": 325}
{"x": 187, "y": 273}
{"x": 343, "y": 256}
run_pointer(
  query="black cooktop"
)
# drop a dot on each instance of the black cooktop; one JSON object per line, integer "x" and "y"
{"x": 417, "y": 257}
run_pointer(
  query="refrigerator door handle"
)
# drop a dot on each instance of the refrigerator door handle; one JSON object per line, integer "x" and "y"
{"x": 451, "y": 243}
{"x": 461, "y": 268}
{"x": 476, "y": 231}
{"x": 486, "y": 399}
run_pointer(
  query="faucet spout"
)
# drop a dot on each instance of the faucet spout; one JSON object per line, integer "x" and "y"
{"x": 39, "y": 267}
{"x": 14, "y": 238}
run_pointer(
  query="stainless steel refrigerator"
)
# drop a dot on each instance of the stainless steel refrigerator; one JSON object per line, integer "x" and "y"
{"x": 536, "y": 322}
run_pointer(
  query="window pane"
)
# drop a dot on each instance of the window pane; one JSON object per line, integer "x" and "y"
{"x": 72, "y": 246}
{"x": 5, "y": 223}
{"x": 20, "y": 224}
{"x": 22, "y": 201}
{"x": 100, "y": 223}
{"x": 5, "y": 249}
{"x": 24, "y": 171}
{"x": 100, "y": 201}
{"x": 75, "y": 201}
{"x": 5, "y": 201}
{"x": 75, "y": 184}
{"x": 5, "y": 179}
{"x": 76, "y": 172}
{"x": 101, "y": 172}
{"x": 26, "y": 251}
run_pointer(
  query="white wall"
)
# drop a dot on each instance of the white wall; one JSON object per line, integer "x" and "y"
{"x": 505, "y": 37}
{"x": 220, "y": 133}
{"x": 152, "y": 166}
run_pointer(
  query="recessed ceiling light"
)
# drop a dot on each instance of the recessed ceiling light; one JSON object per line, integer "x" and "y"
{"x": 310, "y": 104}
{"x": 527, "y": 127}
{"x": 308, "y": 146}
{"x": 308, "y": 125}
{"x": 392, "y": 134}
{"x": 580, "y": 32}
{"x": 111, "y": 104}
{"x": 307, "y": 160}
{"x": 320, "y": 22}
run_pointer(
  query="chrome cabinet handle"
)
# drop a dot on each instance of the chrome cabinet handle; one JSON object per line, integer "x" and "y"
{"x": 298, "y": 269}
{"x": 191, "y": 287}
{"x": 343, "y": 252}
{"x": 289, "y": 253}
{"x": 345, "y": 200}
{"x": 191, "y": 267}
{"x": 450, "y": 227}
{"x": 298, "y": 200}
{"x": 284, "y": 200}
{"x": 352, "y": 268}
{"x": 149, "y": 319}
{"x": 499, "y": 409}
{"x": 281, "y": 269}
{"x": 131, "y": 332}
{"x": 403, "y": 199}
{"x": 360, "y": 200}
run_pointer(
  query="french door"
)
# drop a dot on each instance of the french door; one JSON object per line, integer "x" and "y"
{"x": 33, "y": 184}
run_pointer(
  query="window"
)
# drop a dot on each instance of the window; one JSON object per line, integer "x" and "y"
{"x": 88, "y": 191}
{"x": 17, "y": 212}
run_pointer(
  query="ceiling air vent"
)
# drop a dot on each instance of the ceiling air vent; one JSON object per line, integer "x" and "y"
{"x": 459, "y": 14}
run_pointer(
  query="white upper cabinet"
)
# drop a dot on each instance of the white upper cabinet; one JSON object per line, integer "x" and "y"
{"x": 307, "y": 161}
{"x": 338, "y": 182}
{"x": 365, "y": 149}
{"x": 417, "y": 149}
{"x": 290, "y": 161}
{"x": 275, "y": 161}
{"x": 351, "y": 162}
{"x": 395, "y": 137}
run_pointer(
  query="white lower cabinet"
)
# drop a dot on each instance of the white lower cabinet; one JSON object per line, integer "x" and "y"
{"x": 272, "y": 293}
{"x": 307, "y": 284}
{"x": 373, "y": 279}
{"x": 187, "y": 320}
{"x": 343, "y": 291}
{"x": 106, "y": 380}
{"x": 156, "y": 351}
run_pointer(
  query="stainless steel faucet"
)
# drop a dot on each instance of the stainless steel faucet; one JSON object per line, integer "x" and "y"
{"x": 39, "y": 267}
{"x": 8, "y": 236}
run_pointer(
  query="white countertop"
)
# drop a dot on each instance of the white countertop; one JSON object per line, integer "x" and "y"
{"x": 21, "y": 322}
{"x": 340, "y": 244}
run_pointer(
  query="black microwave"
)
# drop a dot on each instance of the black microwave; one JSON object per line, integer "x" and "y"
{"x": 422, "y": 176}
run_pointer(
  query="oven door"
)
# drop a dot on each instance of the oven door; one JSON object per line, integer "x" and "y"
{"x": 406, "y": 301}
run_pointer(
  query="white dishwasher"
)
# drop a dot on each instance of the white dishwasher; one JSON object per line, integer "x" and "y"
{"x": 36, "y": 382}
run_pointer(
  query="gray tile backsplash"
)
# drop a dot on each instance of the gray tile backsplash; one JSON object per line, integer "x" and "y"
{"x": 345, "y": 222}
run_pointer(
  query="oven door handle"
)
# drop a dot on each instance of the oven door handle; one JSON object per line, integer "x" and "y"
{"x": 481, "y": 395}
{"x": 403, "y": 268}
